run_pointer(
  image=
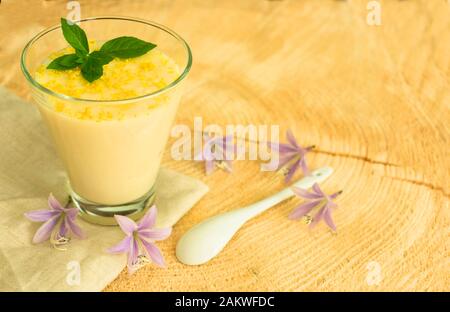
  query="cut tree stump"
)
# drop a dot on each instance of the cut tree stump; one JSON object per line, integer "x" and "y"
{"x": 373, "y": 99}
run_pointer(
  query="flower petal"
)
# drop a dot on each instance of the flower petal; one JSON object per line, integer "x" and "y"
{"x": 155, "y": 234}
{"x": 63, "y": 228}
{"x": 317, "y": 190}
{"x": 284, "y": 159}
{"x": 122, "y": 247}
{"x": 305, "y": 194}
{"x": 292, "y": 171}
{"x": 148, "y": 220}
{"x": 153, "y": 252}
{"x": 287, "y": 149}
{"x": 328, "y": 220}
{"x": 127, "y": 225}
{"x": 133, "y": 253}
{"x": 303, "y": 209}
{"x": 316, "y": 219}
{"x": 331, "y": 205}
{"x": 44, "y": 232}
{"x": 304, "y": 167}
{"x": 282, "y": 148}
{"x": 74, "y": 228}
{"x": 71, "y": 212}
{"x": 54, "y": 204}
{"x": 290, "y": 137}
{"x": 334, "y": 195}
{"x": 41, "y": 215}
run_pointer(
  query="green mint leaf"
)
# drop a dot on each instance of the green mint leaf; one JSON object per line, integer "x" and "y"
{"x": 126, "y": 47}
{"x": 81, "y": 57}
{"x": 101, "y": 57}
{"x": 64, "y": 62}
{"x": 91, "y": 69}
{"x": 75, "y": 36}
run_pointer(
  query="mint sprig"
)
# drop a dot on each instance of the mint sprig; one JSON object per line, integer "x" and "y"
{"x": 91, "y": 64}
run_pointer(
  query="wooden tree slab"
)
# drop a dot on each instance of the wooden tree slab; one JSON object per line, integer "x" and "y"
{"x": 374, "y": 99}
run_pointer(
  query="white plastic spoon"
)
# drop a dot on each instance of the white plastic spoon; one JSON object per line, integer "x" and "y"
{"x": 206, "y": 239}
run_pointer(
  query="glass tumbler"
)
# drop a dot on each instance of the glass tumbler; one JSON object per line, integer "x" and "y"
{"x": 111, "y": 162}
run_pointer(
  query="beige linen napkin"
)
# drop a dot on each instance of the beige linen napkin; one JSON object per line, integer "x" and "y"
{"x": 29, "y": 171}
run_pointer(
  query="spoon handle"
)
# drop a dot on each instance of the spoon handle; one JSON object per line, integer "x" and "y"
{"x": 206, "y": 239}
{"x": 316, "y": 176}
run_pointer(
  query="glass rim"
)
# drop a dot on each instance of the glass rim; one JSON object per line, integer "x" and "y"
{"x": 62, "y": 96}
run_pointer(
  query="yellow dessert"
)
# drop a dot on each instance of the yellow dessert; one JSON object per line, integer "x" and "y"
{"x": 111, "y": 149}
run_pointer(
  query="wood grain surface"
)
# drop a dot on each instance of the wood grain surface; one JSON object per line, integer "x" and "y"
{"x": 374, "y": 99}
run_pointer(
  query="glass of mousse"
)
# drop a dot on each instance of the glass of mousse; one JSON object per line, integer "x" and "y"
{"x": 109, "y": 117}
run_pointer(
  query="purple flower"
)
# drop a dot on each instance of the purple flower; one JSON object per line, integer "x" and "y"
{"x": 218, "y": 151}
{"x": 59, "y": 222}
{"x": 138, "y": 243}
{"x": 316, "y": 198}
{"x": 291, "y": 156}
